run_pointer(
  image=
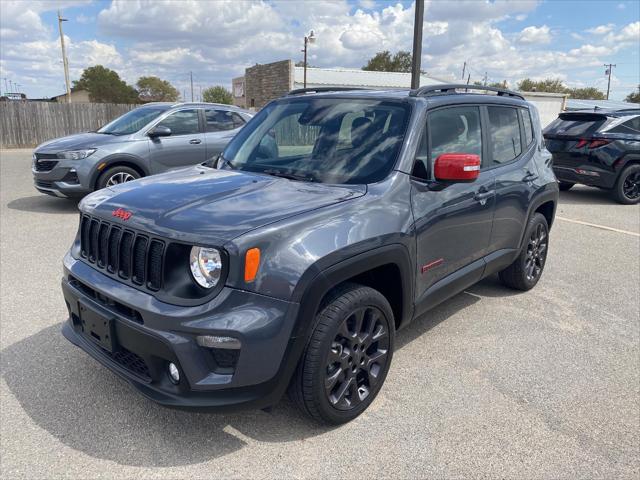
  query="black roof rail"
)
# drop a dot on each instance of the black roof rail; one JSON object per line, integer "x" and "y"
{"x": 450, "y": 88}
{"x": 300, "y": 91}
{"x": 630, "y": 109}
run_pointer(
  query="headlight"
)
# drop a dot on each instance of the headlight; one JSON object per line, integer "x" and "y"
{"x": 206, "y": 266}
{"x": 76, "y": 154}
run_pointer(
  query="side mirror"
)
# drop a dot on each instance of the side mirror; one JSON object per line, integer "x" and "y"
{"x": 159, "y": 131}
{"x": 457, "y": 167}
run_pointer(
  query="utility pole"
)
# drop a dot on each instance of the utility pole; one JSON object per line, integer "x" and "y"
{"x": 468, "y": 79}
{"x": 311, "y": 38}
{"x": 608, "y": 73}
{"x": 485, "y": 79}
{"x": 417, "y": 44}
{"x": 191, "y": 75}
{"x": 6, "y": 89}
{"x": 65, "y": 62}
{"x": 200, "y": 92}
{"x": 464, "y": 67}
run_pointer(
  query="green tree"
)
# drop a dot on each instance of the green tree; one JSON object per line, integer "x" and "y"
{"x": 633, "y": 97}
{"x": 549, "y": 85}
{"x": 385, "y": 62}
{"x": 217, "y": 94}
{"x": 154, "y": 89}
{"x": 588, "y": 93}
{"x": 105, "y": 86}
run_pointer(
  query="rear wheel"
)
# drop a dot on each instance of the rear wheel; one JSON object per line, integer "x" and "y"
{"x": 627, "y": 187}
{"x": 348, "y": 356}
{"x": 526, "y": 270}
{"x": 564, "y": 186}
{"x": 116, "y": 175}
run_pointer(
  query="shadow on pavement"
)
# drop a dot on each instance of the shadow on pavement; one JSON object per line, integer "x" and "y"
{"x": 44, "y": 204}
{"x": 586, "y": 196}
{"x": 90, "y": 409}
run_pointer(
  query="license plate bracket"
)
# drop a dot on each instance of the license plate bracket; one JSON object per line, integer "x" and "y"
{"x": 97, "y": 328}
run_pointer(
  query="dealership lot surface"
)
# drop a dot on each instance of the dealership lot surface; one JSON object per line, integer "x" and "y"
{"x": 490, "y": 383}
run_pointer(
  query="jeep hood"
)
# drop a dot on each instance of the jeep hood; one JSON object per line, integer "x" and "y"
{"x": 200, "y": 204}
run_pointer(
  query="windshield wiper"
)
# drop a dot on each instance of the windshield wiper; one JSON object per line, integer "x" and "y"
{"x": 290, "y": 176}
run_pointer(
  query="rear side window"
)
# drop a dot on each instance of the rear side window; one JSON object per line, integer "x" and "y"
{"x": 183, "y": 122}
{"x": 221, "y": 120}
{"x": 455, "y": 130}
{"x": 528, "y": 126}
{"x": 504, "y": 134}
{"x": 630, "y": 127}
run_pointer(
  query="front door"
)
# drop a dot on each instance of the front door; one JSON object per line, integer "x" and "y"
{"x": 185, "y": 146}
{"x": 453, "y": 221}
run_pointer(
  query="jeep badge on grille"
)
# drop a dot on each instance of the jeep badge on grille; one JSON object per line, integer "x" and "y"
{"x": 122, "y": 213}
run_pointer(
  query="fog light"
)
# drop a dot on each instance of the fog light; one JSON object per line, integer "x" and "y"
{"x": 174, "y": 373}
{"x": 214, "y": 341}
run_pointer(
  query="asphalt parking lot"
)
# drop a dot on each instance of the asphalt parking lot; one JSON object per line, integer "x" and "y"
{"x": 491, "y": 383}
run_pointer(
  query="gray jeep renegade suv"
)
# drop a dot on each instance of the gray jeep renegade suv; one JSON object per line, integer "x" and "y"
{"x": 154, "y": 138}
{"x": 329, "y": 222}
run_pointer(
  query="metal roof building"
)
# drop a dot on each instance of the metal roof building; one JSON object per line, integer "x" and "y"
{"x": 578, "y": 104}
{"x": 353, "y": 77}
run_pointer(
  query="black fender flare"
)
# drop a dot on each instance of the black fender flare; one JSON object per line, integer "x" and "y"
{"x": 314, "y": 284}
{"x": 549, "y": 194}
{"x": 118, "y": 159}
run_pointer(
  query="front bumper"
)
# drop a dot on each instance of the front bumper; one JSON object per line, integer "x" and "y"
{"x": 149, "y": 334}
{"x": 64, "y": 179}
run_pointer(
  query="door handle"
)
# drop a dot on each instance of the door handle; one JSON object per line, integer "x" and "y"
{"x": 195, "y": 141}
{"x": 530, "y": 177}
{"x": 482, "y": 195}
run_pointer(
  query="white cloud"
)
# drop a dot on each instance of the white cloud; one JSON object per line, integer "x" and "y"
{"x": 601, "y": 29}
{"x": 537, "y": 35}
{"x": 621, "y": 6}
{"x": 630, "y": 34}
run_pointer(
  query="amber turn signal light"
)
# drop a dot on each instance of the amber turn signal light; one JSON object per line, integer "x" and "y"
{"x": 251, "y": 264}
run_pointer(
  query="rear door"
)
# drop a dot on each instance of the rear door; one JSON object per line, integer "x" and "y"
{"x": 511, "y": 149}
{"x": 185, "y": 146}
{"x": 220, "y": 127}
{"x": 452, "y": 221}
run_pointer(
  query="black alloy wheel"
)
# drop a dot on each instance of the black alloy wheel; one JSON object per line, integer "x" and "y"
{"x": 536, "y": 252}
{"x": 347, "y": 357}
{"x": 357, "y": 357}
{"x": 631, "y": 186}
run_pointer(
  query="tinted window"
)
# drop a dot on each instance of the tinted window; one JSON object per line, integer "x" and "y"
{"x": 504, "y": 134}
{"x": 323, "y": 140}
{"x": 528, "y": 126}
{"x": 574, "y": 124}
{"x": 221, "y": 120}
{"x": 455, "y": 130}
{"x": 630, "y": 126}
{"x": 183, "y": 122}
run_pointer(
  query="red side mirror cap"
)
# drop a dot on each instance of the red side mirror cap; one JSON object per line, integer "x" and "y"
{"x": 457, "y": 167}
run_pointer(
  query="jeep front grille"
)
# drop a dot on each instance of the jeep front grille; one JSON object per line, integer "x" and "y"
{"x": 120, "y": 251}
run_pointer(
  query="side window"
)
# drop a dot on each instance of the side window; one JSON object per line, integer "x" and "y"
{"x": 630, "y": 127}
{"x": 504, "y": 134}
{"x": 455, "y": 130}
{"x": 528, "y": 126}
{"x": 219, "y": 120}
{"x": 238, "y": 121}
{"x": 182, "y": 122}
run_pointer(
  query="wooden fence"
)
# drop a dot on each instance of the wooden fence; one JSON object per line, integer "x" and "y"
{"x": 27, "y": 124}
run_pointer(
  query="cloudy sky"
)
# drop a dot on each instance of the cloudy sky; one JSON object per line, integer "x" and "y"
{"x": 218, "y": 39}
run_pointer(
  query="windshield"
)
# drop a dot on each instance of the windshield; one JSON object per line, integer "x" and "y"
{"x": 133, "y": 121}
{"x": 323, "y": 140}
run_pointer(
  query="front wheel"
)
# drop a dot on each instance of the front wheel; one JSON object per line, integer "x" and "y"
{"x": 116, "y": 175}
{"x": 348, "y": 356}
{"x": 627, "y": 187}
{"x": 526, "y": 270}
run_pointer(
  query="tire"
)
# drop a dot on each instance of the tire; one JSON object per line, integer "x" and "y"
{"x": 564, "y": 186}
{"x": 524, "y": 273}
{"x": 353, "y": 366}
{"x": 110, "y": 176}
{"x": 627, "y": 187}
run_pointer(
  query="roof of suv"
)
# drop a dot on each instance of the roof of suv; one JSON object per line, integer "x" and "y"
{"x": 190, "y": 104}
{"x": 437, "y": 94}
